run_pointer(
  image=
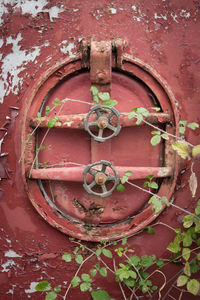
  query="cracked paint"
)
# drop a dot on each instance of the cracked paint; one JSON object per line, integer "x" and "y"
{"x": 32, "y": 7}
{"x": 13, "y": 64}
{"x": 11, "y": 253}
{"x": 67, "y": 48}
{"x": 31, "y": 288}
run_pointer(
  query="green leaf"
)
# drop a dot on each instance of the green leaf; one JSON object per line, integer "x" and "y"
{"x": 124, "y": 179}
{"x": 187, "y": 269}
{"x": 150, "y": 176}
{"x": 100, "y": 295}
{"x": 182, "y": 129}
{"x": 51, "y": 123}
{"x": 182, "y": 280}
{"x": 96, "y": 99}
{"x": 147, "y": 261}
{"x": 193, "y": 125}
{"x": 129, "y": 282}
{"x": 188, "y": 220}
{"x": 165, "y": 136}
{"x": 51, "y": 296}
{"x": 47, "y": 110}
{"x": 39, "y": 115}
{"x": 57, "y": 289}
{"x": 193, "y": 286}
{"x": 157, "y": 204}
{"x": 142, "y": 110}
{"x": 79, "y": 259}
{"x": 98, "y": 252}
{"x": 119, "y": 251}
{"x": 150, "y": 230}
{"x": 120, "y": 188}
{"x": 153, "y": 185}
{"x": 135, "y": 260}
{"x": 160, "y": 263}
{"x": 187, "y": 240}
{"x": 174, "y": 247}
{"x": 86, "y": 277}
{"x": 156, "y": 108}
{"x": 155, "y": 140}
{"x": 196, "y": 152}
{"x": 67, "y": 257}
{"x": 85, "y": 286}
{"x": 128, "y": 173}
{"x": 139, "y": 119}
{"x": 110, "y": 103}
{"x": 165, "y": 200}
{"x": 181, "y": 122}
{"x": 75, "y": 281}
{"x": 186, "y": 253}
{"x": 132, "y": 115}
{"x": 93, "y": 272}
{"x": 156, "y": 132}
{"x": 94, "y": 90}
{"x": 103, "y": 272}
{"x": 197, "y": 210}
{"x": 107, "y": 253}
{"x": 104, "y": 96}
{"x": 124, "y": 241}
{"x": 182, "y": 149}
{"x": 43, "y": 286}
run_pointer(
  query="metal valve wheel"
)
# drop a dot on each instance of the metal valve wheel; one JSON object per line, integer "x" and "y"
{"x": 101, "y": 179}
{"x": 104, "y": 115}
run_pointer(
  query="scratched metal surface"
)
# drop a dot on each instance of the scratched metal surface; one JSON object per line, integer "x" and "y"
{"x": 34, "y": 36}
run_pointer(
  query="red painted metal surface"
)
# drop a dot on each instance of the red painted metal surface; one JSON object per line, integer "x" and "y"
{"x": 162, "y": 40}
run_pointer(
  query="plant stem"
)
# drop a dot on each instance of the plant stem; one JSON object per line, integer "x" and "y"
{"x": 120, "y": 285}
{"x": 159, "y": 197}
{"x": 169, "y": 134}
{"x": 74, "y": 100}
{"x": 77, "y": 274}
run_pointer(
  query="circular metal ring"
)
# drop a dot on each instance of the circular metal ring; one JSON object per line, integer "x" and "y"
{"x": 100, "y": 178}
{"x": 104, "y": 114}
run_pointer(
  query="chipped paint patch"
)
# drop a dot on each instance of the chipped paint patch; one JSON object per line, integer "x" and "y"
{"x": 11, "y": 253}
{"x": 13, "y": 64}
{"x": 67, "y": 48}
{"x": 185, "y": 14}
{"x": 113, "y": 10}
{"x": 156, "y": 16}
{"x": 8, "y": 265}
{"x": 68, "y": 123}
{"x": 31, "y": 288}
{"x": 32, "y": 7}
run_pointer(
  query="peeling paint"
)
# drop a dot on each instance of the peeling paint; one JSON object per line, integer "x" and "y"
{"x": 67, "y": 49}
{"x": 8, "y": 265}
{"x": 11, "y": 253}
{"x": 31, "y": 288}
{"x": 32, "y": 7}
{"x": 113, "y": 10}
{"x": 185, "y": 14}
{"x": 14, "y": 63}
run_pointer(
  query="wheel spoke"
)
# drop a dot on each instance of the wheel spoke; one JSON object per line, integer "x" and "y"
{"x": 100, "y": 133}
{"x": 103, "y": 169}
{"x": 92, "y": 124}
{"x": 111, "y": 127}
{"x": 110, "y": 115}
{"x": 92, "y": 184}
{"x": 110, "y": 178}
{"x": 104, "y": 189}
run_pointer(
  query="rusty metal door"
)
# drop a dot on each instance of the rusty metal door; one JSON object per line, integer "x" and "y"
{"x": 145, "y": 55}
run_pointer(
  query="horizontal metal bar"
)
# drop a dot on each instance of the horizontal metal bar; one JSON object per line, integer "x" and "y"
{"x": 76, "y": 173}
{"x": 76, "y": 121}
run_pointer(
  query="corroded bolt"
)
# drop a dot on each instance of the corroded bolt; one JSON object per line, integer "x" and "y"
{"x": 102, "y": 122}
{"x": 100, "y": 178}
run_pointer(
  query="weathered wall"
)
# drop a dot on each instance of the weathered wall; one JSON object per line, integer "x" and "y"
{"x": 34, "y": 35}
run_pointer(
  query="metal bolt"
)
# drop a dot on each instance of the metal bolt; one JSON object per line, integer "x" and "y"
{"x": 100, "y": 178}
{"x": 102, "y": 122}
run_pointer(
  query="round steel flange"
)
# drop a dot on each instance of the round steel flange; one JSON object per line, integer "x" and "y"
{"x": 103, "y": 121}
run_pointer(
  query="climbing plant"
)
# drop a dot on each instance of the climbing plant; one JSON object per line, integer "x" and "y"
{"x": 135, "y": 274}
